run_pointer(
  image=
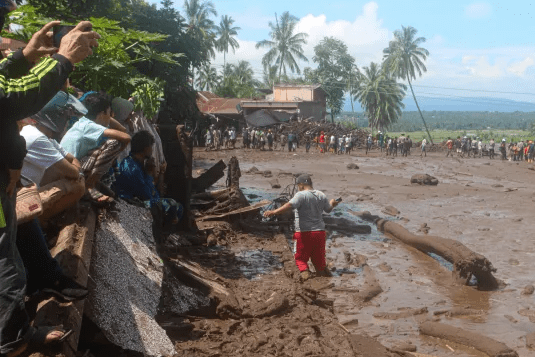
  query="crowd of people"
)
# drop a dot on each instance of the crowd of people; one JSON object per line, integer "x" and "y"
{"x": 82, "y": 146}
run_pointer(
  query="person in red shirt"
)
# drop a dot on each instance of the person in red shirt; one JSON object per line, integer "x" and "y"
{"x": 449, "y": 144}
{"x": 322, "y": 142}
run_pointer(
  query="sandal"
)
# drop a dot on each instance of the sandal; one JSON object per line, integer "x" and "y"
{"x": 94, "y": 196}
{"x": 38, "y": 340}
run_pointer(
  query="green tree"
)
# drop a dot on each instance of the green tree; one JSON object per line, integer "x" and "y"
{"x": 244, "y": 73}
{"x": 198, "y": 16}
{"x": 334, "y": 65}
{"x": 404, "y": 58}
{"x": 380, "y": 96}
{"x": 285, "y": 45}
{"x": 269, "y": 76}
{"x": 226, "y": 33}
{"x": 208, "y": 78}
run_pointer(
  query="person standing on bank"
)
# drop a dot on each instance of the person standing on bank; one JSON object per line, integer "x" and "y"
{"x": 24, "y": 90}
{"x": 309, "y": 238}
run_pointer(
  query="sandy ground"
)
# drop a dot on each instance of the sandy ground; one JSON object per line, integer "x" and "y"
{"x": 485, "y": 204}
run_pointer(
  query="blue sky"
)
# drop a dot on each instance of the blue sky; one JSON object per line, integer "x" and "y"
{"x": 474, "y": 45}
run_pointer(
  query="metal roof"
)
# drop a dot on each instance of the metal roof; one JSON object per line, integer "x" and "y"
{"x": 208, "y": 102}
{"x": 268, "y": 104}
{"x": 261, "y": 118}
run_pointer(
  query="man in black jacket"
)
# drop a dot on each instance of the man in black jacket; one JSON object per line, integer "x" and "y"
{"x": 24, "y": 89}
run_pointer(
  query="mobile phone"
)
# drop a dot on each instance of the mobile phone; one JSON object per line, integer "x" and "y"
{"x": 59, "y": 32}
{"x": 339, "y": 199}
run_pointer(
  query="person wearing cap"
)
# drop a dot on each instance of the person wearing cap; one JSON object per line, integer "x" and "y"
{"x": 503, "y": 149}
{"x": 309, "y": 238}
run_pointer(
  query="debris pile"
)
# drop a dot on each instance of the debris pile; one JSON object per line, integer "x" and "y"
{"x": 315, "y": 128}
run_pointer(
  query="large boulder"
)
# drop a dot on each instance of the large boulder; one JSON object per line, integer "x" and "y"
{"x": 424, "y": 179}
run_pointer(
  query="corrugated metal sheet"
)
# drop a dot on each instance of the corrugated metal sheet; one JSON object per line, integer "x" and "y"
{"x": 219, "y": 105}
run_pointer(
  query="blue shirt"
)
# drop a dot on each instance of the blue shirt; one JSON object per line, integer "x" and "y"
{"x": 84, "y": 136}
{"x": 133, "y": 182}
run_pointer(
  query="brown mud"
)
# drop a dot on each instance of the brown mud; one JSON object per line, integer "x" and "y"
{"x": 485, "y": 207}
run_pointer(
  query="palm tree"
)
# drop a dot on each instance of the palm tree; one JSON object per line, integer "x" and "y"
{"x": 207, "y": 78}
{"x": 284, "y": 45}
{"x": 270, "y": 76}
{"x": 226, "y": 34}
{"x": 244, "y": 73}
{"x": 404, "y": 58}
{"x": 198, "y": 15}
{"x": 380, "y": 96}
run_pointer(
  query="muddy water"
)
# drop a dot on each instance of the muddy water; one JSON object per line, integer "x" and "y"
{"x": 471, "y": 204}
{"x": 409, "y": 279}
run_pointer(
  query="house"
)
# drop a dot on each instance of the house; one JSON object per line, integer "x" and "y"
{"x": 308, "y": 100}
{"x": 222, "y": 110}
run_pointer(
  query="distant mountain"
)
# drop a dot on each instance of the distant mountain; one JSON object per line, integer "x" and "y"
{"x": 476, "y": 104}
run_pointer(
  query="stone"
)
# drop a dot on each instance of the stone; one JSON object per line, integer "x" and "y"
{"x": 528, "y": 290}
{"x": 352, "y": 166}
{"x": 391, "y": 211}
{"x": 424, "y": 179}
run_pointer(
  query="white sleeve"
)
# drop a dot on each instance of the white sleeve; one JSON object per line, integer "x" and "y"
{"x": 43, "y": 153}
{"x": 59, "y": 148}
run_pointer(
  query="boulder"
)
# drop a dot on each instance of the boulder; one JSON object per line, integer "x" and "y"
{"x": 352, "y": 166}
{"x": 424, "y": 179}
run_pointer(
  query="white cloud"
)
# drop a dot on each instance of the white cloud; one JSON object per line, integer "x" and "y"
{"x": 478, "y": 10}
{"x": 519, "y": 68}
{"x": 365, "y": 37}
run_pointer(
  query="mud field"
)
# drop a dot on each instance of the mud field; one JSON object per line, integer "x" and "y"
{"x": 484, "y": 204}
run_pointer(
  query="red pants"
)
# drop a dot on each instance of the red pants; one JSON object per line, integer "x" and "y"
{"x": 310, "y": 245}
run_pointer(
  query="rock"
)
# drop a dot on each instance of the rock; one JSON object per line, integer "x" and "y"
{"x": 275, "y": 183}
{"x": 391, "y": 211}
{"x": 384, "y": 267}
{"x": 253, "y": 170}
{"x": 530, "y": 340}
{"x": 352, "y": 166}
{"x": 424, "y": 180}
{"x": 424, "y": 228}
{"x": 404, "y": 346}
{"x": 511, "y": 318}
{"x": 528, "y": 290}
{"x": 267, "y": 173}
{"x": 497, "y": 185}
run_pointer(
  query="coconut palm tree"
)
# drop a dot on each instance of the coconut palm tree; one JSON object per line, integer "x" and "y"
{"x": 198, "y": 14}
{"x": 226, "y": 32}
{"x": 285, "y": 45}
{"x": 244, "y": 73}
{"x": 207, "y": 78}
{"x": 404, "y": 58}
{"x": 270, "y": 76}
{"x": 380, "y": 96}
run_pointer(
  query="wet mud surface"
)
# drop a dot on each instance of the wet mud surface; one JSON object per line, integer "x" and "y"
{"x": 487, "y": 207}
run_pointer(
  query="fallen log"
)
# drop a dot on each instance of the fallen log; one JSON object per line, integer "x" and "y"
{"x": 371, "y": 288}
{"x": 482, "y": 343}
{"x": 466, "y": 263}
{"x": 400, "y": 314}
{"x": 210, "y": 177}
{"x": 345, "y": 225}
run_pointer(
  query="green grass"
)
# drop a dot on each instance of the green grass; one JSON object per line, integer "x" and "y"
{"x": 441, "y": 135}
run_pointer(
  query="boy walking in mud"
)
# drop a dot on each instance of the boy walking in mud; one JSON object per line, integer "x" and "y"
{"x": 309, "y": 238}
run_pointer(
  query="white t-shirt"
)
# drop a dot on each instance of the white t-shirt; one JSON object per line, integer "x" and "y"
{"x": 42, "y": 153}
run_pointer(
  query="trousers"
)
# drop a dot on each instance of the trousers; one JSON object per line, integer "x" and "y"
{"x": 14, "y": 325}
{"x": 310, "y": 245}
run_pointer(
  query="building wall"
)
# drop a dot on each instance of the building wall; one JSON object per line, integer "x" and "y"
{"x": 313, "y": 109}
{"x": 283, "y": 94}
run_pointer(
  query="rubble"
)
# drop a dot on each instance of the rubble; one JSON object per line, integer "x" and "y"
{"x": 315, "y": 128}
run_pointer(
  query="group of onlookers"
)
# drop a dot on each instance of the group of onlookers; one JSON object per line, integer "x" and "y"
{"x": 82, "y": 146}
{"x": 216, "y": 138}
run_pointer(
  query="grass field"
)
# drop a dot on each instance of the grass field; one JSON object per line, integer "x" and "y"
{"x": 441, "y": 135}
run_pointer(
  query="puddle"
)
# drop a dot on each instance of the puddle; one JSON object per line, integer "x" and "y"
{"x": 255, "y": 263}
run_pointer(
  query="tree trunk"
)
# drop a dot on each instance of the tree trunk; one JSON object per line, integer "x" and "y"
{"x": 280, "y": 71}
{"x": 415, "y": 101}
{"x": 224, "y": 64}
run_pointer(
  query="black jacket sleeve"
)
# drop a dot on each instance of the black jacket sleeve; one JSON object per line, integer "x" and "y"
{"x": 24, "y": 95}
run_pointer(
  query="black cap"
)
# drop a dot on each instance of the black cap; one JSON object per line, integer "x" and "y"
{"x": 304, "y": 179}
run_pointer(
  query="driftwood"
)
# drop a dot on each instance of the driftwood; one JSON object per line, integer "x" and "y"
{"x": 210, "y": 177}
{"x": 466, "y": 263}
{"x": 234, "y": 173}
{"x": 482, "y": 343}
{"x": 371, "y": 285}
{"x": 345, "y": 225}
